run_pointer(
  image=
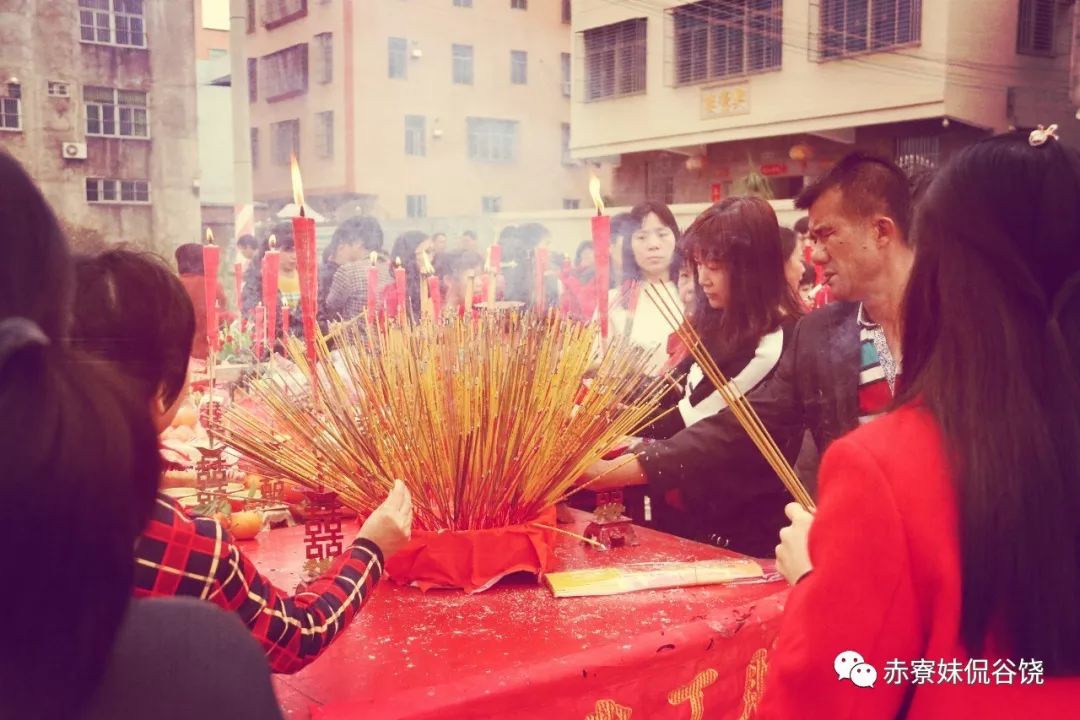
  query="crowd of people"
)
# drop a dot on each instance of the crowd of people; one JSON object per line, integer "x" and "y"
{"x": 930, "y": 354}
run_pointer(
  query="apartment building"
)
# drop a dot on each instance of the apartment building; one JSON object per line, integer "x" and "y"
{"x": 97, "y": 100}
{"x": 719, "y": 90}
{"x": 413, "y": 110}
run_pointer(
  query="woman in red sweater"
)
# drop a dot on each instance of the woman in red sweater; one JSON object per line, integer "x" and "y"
{"x": 945, "y": 550}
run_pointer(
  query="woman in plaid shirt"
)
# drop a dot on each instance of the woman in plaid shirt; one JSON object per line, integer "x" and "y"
{"x": 133, "y": 310}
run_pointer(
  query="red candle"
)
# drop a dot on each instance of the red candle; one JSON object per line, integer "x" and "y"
{"x": 470, "y": 288}
{"x": 486, "y": 294}
{"x": 435, "y": 294}
{"x": 541, "y": 269}
{"x": 271, "y": 266}
{"x": 260, "y": 331}
{"x": 400, "y": 283}
{"x": 495, "y": 258}
{"x": 601, "y": 235}
{"x": 284, "y": 320}
{"x": 373, "y": 287}
{"x": 211, "y": 262}
{"x": 306, "y": 263}
{"x": 238, "y": 282}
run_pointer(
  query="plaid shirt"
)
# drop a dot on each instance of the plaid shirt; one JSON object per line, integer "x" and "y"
{"x": 347, "y": 296}
{"x": 180, "y": 555}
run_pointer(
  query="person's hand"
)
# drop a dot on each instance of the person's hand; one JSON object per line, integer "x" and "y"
{"x": 390, "y": 525}
{"x": 793, "y": 552}
{"x": 610, "y": 474}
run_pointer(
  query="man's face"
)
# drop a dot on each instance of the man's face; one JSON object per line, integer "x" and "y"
{"x": 846, "y": 246}
{"x": 247, "y": 251}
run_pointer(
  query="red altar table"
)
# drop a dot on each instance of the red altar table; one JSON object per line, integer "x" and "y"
{"x": 516, "y": 651}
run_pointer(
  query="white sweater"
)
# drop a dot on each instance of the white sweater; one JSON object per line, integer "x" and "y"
{"x": 649, "y": 329}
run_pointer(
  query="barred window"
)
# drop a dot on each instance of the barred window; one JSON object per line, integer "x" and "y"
{"x": 279, "y": 12}
{"x": 566, "y": 157}
{"x": 519, "y": 4}
{"x": 397, "y": 59}
{"x": 285, "y": 73}
{"x": 723, "y": 38}
{"x": 251, "y": 16}
{"x": 615, "y": 60}
{"x": 915, "y": 154}
{"x": 566, "y": 11}
{"x": 519, "y": 67}
{"x": 324, "y": 52}
{"x": 566, "y": 65}
{"x": 491, "y": 204}
{"x": 1035, "y": 31}
{"x": 416, "y": 206}
{"x": 571, "y": 204}
{"x": 463, "y": 64}
{"x": 10, "y": 114}
{"x": 849, "y": 27}
{"x": 254, "y": 148}
{"x": 492, "y": 140}
{"x": 462, "y": 3}
{"x": 112, "y": 22}
{"x": 415, "y": 135}
{"x": 253, "y": 79}
{"x": 285, "y": 139}
{"x": 116, "y": 113}
{"x": 110, "y": 190}
{"x": 324, "y": 134}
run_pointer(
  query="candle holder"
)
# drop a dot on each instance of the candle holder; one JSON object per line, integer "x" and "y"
{"x": 610, "y": 526}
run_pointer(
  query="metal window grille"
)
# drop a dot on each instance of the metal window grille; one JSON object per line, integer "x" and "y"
{"x": 491, "y": 204}
{"x": 112, "y": 22}
{"x": 566, "y": 65}
{"x": 415, "y": 135}
{"x": 285, "y": 73}
{"x": 253, "y": 79}
{"x": 914, "y": 154}
{"x": 850, "y": 27}
{"x": 566, "y": 157}
{"x": 10, "y": 114}
{"x": 615, "y": 60}
{"x": 324, "y": 45}
{"x": 416, "y": 206}
{"x": 324, "y": 134}
{"x": 277, "y": 12}
{"x": 116, "y": 113}
{"x": 723, "y": 38}
{"x": 397, "y": 58}
{"x": 254, "y": 148}
{"x": 463, "y": 64}
{"x": 492, "y": 140}
{"x": 286, "y": 141}
{"x": 519, "y": 67}
{"x": 1035, "y": 31}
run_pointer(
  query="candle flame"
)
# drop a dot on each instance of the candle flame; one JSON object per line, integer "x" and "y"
{"x": 594, "y": 190}
{"x": 428, "y": 268}
{"x": 397, "y": 262}
{"x": 272, "y": 243}
{"x": 297, "y": 184}
{"x": 209, "y": 236}
{"x": 374, "y": 258}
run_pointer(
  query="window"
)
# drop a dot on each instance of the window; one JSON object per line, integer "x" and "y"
{"x": 10, "y": 114}
{"x": 251, "y": 16}
{"x": 398, "y": 58}
{"x": 415, "y": 135}
{"x": 324, "y": 53}
{"x": 116, "y": 113}
{"x": 519, "y": 67}
{"x": 279, "y": 12}
{"x": 519, "y": 4}
{"x": 492, "y": 140}
{"x": 254, "y": 148}
{"x": 566, "y": 11}
{"x": 849, "y": 27}
{"x": 112, "y": 22}
{"x": 915, "y": 154}
{"x": 285, "y": 137}
{"x": 566, "y": 158}
{"x": 721, "y": 38}
{"x": 491, "y": 204}
{"x": 59, "y": 89}
{"x": 462, "y": 3}
{"x": 218, "y": 53}
{"x": 571, "y": 204}
{"x": 416, "y": 206}
{"x": 1035, "y": 32}
{"x": 285, "y": 73}
{"x": 565, "y": 60}
{"x": 324, "y": 134}
{"x": 615, "y": 60}
{"x": 463, "y": 64}
{"x": 108, "y": 190}
{"x": 253, "y": 79}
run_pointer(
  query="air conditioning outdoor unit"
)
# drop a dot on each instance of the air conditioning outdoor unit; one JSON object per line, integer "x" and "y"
{"x": 74, "y": 151}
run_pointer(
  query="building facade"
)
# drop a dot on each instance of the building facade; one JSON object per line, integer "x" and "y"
{"x": 216, "y": 172}
{"x": 97, "y": 100}
{"x": 415, "y": 112}
{"x": 730, "y": 93}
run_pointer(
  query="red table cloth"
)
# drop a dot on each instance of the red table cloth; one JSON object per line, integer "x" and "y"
{"x": 516, "y": 651}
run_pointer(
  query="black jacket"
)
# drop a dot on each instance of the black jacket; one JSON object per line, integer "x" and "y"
{"x": 719, "y": 469}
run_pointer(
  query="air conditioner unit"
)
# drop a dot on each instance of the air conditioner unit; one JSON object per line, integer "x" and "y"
{"x": 417, "y": 53}
{"x": 437, "y": 133}
{"x": 74, "y": 151}
{"x": 59, "y": 89}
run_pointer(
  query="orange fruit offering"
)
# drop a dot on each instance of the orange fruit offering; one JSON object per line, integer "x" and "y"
{"x": 246, "y": 524}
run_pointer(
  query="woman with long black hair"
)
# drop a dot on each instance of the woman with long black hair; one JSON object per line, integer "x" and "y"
{"x": 948, "y": 529}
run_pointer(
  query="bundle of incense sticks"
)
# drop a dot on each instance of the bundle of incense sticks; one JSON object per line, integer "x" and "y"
{"x": 484, "y": 419}
{"x": 665, "y": 301}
